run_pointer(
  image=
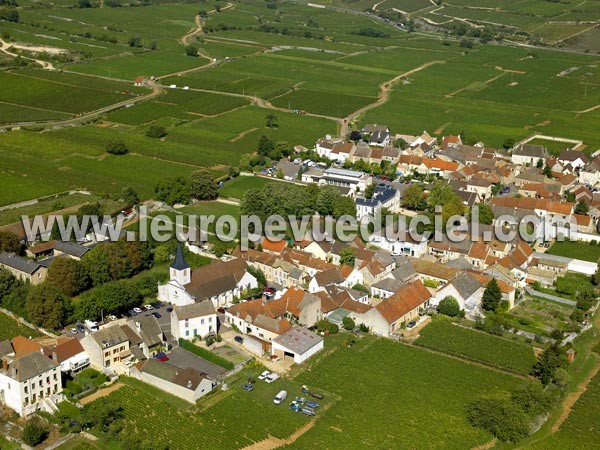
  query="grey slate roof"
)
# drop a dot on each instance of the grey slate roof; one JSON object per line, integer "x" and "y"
{"x": 466, "y": 285}
{"x": 18, "y": 263}
{"x": 199, "y": 309}
{"x": 299, "y": 340}
{"x": 179, "y": 263}
{"x": 536, "y": 151}
{"x": 71, "y": 248}
{"x": 30, "y": 365}
{"x": 112, "y": 335}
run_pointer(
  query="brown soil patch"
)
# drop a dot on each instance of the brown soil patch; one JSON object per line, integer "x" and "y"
{"x": 543, "y": 124}
{"x": 101, "y": 393}
{"x": 440, "y": 129}
{"x": 104, "y": 124}
{"x": 102, "y": 156}
{"x": 271, "y": 442}
{"x": 487, "y": 445}
{"x": 514, "y": 83}
{"x": 64, "y": 168}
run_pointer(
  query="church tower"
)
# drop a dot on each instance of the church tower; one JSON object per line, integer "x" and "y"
{"x": 180, "y": 270}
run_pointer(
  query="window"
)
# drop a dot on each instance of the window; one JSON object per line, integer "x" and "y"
{"x": 209, "y": 319}
{"x": 201, "y": 321}
{"x": 187, "y": 332}
{"x": 195, "y": 331}
{"x": 187, "y": 323}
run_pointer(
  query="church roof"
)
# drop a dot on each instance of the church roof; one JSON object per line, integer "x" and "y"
{"x": 179, "y": 263}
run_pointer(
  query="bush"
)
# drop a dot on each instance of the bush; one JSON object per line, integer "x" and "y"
{"x": 505, "y": 420}
{"x": 449, "y": 306}
{"x": 35, "y": 431}
{"x": 325, "y": 325}
{"x": 156, "y": 131}
{"x": 348, "y": 323}
{"x": 116, "y": 147}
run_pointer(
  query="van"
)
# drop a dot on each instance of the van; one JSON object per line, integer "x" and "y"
{"x": 280, "y": 398}
{"x": 91, "y": 325}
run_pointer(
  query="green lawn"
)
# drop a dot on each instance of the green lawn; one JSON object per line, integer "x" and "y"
{"x": 238, "y": 186}
{"x": 443, "y": 336}
{"x": 577, "y": 250}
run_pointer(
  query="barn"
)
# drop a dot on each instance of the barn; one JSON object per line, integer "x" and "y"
{"x": 298, "y": 343}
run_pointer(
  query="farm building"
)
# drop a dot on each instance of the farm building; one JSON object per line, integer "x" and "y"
{"x": 298, "y": 343}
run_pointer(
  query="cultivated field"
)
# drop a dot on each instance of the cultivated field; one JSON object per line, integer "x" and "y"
{"x": 499, "y": 352}
{"x": 577, "y": 250}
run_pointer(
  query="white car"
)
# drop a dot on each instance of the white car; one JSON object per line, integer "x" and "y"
{"x": 148, "y": 307}
{"x": 112, "y": 317}
{"x": 273, "y": 377}
{"x": 137, "y": 310}
{"x": 264, "y": 375}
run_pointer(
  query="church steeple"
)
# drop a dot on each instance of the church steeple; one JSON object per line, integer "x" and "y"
{"x": 180, "y": 270}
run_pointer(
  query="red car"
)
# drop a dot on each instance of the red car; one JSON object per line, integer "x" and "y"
{"x": 161, "y": 357}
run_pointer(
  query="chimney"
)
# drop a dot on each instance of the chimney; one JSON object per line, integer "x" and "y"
{"x": 189, "y": 384}
{"x": 54, "y": 357}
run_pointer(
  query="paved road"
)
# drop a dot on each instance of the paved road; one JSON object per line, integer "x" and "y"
{"x": 554, "y": 298}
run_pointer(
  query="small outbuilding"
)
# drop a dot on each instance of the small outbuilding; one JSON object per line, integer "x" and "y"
{"x": 298, "y": 343}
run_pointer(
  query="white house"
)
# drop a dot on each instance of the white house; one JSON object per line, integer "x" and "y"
{"x": 197, "y": 319}
{"x": 298, "y": 343}
{"x": 400, "y": 242}
{"x": 528, "y": 154}
{"x": 29, "y": 383}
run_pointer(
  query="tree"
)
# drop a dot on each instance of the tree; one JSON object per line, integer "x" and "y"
{"x": 547, "y": 171}
{"x": 355, "y": 135}
{"x": 326, "y": 200}
{"x": 203, "y": 14}
{"x": 7, "y": 282}
{"x": 84, "y": 4}
{"x": 413, "y": 198}
{"x": 449, "y": 306}
{"x": 596, "y": 277}
{"x": 203, "y": 185}
{"x": 347, "y": 256}
{"x": 173, "y": 190}
{"x": 369, "y": 191}
{"x": 466, "y": 43}
{"x": 130, "y": 197}
{"x": 156, "y": 131}
{"x": 548, "y": 361}
{"x": 344, "y": 206}
{"x": 100, "y": 415}
{"x": 280, "y": 174}
{"x": 9, "y": 14}
{"x": 68, "y": 275}
{"x": 508, "y": 143}
{"x": 532, "y": 399}
{"x": 582, "y": 208}
{"x": 265, "y": 145}
{"x": 348, "y": 323}
{"x": 35, "y": 431}
{"x": 505, "y": 420}
{"x": 400, "y": 143}
{"x": 135, "y": 41}
{"x": 486, "y": 214}
{"x": 492, "y": 296}
{"x": 46, "y": 306}
{"x": 114, "y": 297}
{"x": 153, "y": 45}
{"x": 116, "y": 147}
{"x": 324, "y": 325}
{"x": 10, "y": 243}
{"x": 191, "y": 50}
{"x": 271, "y": 118}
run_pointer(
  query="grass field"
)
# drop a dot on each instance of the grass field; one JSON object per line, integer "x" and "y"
{"x": 443, "y": 336}
{"x": 238, "y": 186}
{"x": 577, "y": 250}
{"x": 9, "y": 328}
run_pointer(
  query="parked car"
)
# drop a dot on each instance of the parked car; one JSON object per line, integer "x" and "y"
{"x": 312, "y": 404}
{"x": 264, "y": 375}
{"x": 295, "y": 406}
{"x": 247, "y": 387}
{"x": 273, "y": 377}
{"x": 317, "y": 395}
{"x": 112, "y": 317}
{"x": 170, "y": 309}
{"x": 239, "y": 339}
{"x": 74, "y": 330}
{"x": 80, "y": 327}
{"x": 411, "y": 324}
{"x": 148, "y": 307}
{"x": 161, "y": 356}
{"x": 137, "y": 310}
{"x": 275, "y": 358}
{"x": 280, "y": 397}
{"x": 308, "y": 411}
{"x": 305, "y": 389}
{"x": 269, "y": 292}
{"x": 157, "y": 315}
